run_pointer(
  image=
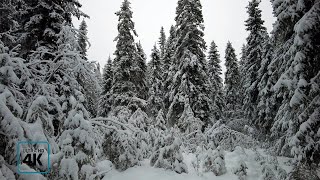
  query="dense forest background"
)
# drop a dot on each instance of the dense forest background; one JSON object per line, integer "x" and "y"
{"x": 177, "y": 102}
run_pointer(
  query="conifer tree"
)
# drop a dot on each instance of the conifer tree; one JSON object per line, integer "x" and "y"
{"x": 155, "y": 94}
{"x": 189, "y": 73}
{"x": 214, "y": 73}
{"x": 296, "y": 122}
{"x": 265, "y": 106}
{"x": 141, "y": 71}
{"x": 42, "y": 21}
{"x": 162, "y": 42}
{"x": 77, "y": 138}
{"x": 231, "y": 81}
{"x": 167, "y": 64}
{"x": 83, "y": 39}
{"x": 129, "y": 83}
{"x": 242, "y": 72}
{"x": 107, "y": 79}
{"x": 254, "y": 50}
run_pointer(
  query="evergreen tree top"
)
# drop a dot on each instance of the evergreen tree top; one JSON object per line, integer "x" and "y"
{"x": 83, "y": 26}
{"x": 162, "y": 39}
{"x": 230, "y": 53}
{"x": 213, "y": 54}
{"x": 125, "y": 39}
{"x": 254, "y": 22}
{"x": 189, "y": 28}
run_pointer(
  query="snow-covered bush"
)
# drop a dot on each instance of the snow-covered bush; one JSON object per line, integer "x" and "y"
{"x": 121, "y": 148}
{"x": 214, "y": 161}
{"x": 241, "y": 170}
{"x": 228, "y": 139}
{"x": 140, "y": 120}
{"x": 69, "y": 167}
{"x": 77, "y": 141}
{"x": 167, "y": 153}
{"x": 187, "y": 122}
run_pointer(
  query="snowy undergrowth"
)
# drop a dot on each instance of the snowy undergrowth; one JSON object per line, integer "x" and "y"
{"x": 254, "y": 171}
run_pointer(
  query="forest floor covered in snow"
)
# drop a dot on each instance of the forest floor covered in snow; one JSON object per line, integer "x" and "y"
{"x": 254, "y": 171}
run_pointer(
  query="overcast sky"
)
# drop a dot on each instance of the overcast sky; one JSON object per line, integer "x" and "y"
{"x": 223, "y": 20}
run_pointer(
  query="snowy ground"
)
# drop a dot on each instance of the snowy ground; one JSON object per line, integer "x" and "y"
{"x": 145, "y": 172}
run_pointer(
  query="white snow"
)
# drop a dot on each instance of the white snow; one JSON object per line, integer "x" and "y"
{"x": 146, "y": 172}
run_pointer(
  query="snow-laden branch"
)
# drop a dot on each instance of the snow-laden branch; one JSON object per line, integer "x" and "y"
{"x": 96, "y": 121}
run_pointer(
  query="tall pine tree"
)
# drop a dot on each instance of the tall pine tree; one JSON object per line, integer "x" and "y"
{"x": 167, "y": 63}
{"x": 162, "y": 42}
{"x": 129, "y": 84}
{"x": 254, "y": 55}
{"x": 296, "y": 91}
{"x": 214, "y": 73}
{"x": 231, "y": 82}
{"x": 83, "y": 39}
{"x": 155, "y": 100}
{"x": 107, "y": 79}
{"x": 42, "y": 21}
{"x": 189, "y": 77}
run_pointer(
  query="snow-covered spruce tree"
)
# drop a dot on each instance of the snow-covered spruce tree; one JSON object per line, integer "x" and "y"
{"x": 42, "y": 20}
{"x": 231, "y": 82}
{"x": 167, "y": 65}
{"x": 107, "y": 78}
{"x": 254, "y": 55}
{"x": 19, "y": 121}
{"x": 214, "y": 73}
{"x": 83, "y": 39}
{"x": 90, "y": 88}
{"x": 162, "y": 42}
{"x": 155, "y": 94}
{"x": 167, "y": 152}
{"x": 265, "y": 104}
{"x": 11, "y": 129}
{"x": 129, "y": 82}
{"x": 189, "y": 73}
{"x": 242, "y": 72}
{"x": 77, "y": 139}
{"x": 214, "y": 161}
{"x": 141, "y": 71}
{"x": 297, "y": 120}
